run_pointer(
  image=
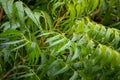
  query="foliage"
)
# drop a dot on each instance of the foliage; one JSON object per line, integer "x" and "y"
{"x": 54, "y": 39}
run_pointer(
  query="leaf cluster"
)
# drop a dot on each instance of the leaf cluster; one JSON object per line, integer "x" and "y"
{"x": 60, "y": 39}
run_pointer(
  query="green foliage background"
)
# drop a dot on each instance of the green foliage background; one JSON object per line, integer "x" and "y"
{"x": 60, "y": 39}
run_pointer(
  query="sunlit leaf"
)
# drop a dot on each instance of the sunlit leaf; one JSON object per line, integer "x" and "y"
{"x": 20, "y": 10}
{"x": 32, "y": 17}
{"x": 77, "y": 53}
{"x": 58, "y": 42}
{"x": 14, "y": 42}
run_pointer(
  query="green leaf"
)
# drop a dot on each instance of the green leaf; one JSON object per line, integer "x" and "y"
{"x": 67, "y": 45}
{"x": 11, "y": 32}
{"x": 8, "y": 7}
{"x": 53, "y": 38}
{"x": 78, "y": 8}
{"x": 47, "y": 19}
{"x": 20, "y": 46}
{"x": 25, "y": 75}
{"x": 31, "y": 46}
{"x": 108, "y": 34}
{"x": 20, "y": 10}
{"x": 75, "y": 37}
{"x": 32, "y": 17}
{"x": 72, "y": 11}
{"x": 34, "y": 54}
{"x": 107, "y": 57}
{"x": 58, "y": 42}
{"x": 74, "y": 76}
{"x": 45, "y": 34}
{"x": 82, "y": 41}
{"x": 77, "y": 53}
{"x": 116, "y": 40}
{"x": 95, "y": 4}
{"x": 14, "y": 42}
{"x": 55, "y": 6}
{"x": 64, "y": 69}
